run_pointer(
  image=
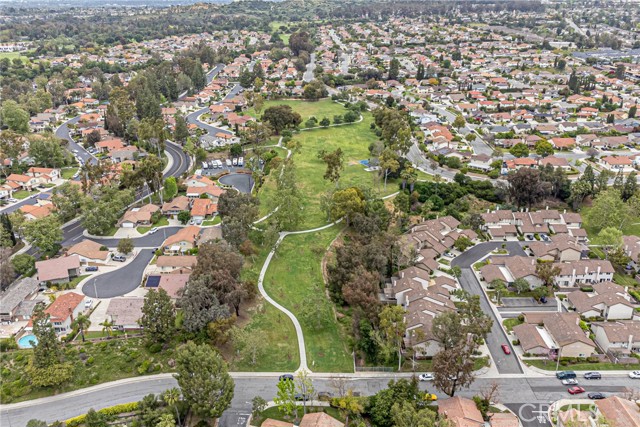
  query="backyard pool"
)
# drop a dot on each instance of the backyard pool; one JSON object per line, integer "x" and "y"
{"x": 25, "y": 341}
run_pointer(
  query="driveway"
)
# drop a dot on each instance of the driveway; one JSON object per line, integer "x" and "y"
{"x": 121, "y": 281}
{"x": 506, "y": 364}
{"x": 240, "y": 181}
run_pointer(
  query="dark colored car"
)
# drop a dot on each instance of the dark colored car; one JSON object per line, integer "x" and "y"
{"x": 596, "y": 396}
{"x": 563, "y": 375}
{"x": 286, "y": 377}
{"x": 593, "y": 376}
{"x": 91, "y": 268}
{"x": 543, "y": 300}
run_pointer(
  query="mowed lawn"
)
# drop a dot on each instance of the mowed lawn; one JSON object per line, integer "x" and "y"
{"x": 354, "y": 140}
{"x": 294, "y": 278}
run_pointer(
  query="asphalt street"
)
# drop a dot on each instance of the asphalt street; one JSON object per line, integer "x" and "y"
{"x": 212, "y": 130}
{"x": 505, "y": 363}
{"x": 520, "y": 394}
{"x": 308, "y": 74}
{"x": 240, "y": 181}
{"x": 120, "y": 281}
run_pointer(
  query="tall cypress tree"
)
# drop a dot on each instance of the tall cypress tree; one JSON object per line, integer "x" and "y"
{"x": 6, "y": 224}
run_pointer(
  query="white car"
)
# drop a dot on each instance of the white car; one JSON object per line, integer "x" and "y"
{"x": 570, "y": 381}
{"x": 12, "y": 200}
{"x": 634, "y": 374}
{"x": 426, "y": 377}
{"x": 153, "y": 230}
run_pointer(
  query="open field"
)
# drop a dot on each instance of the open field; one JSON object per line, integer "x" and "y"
{"x": 294, "y": 279}
{"x": 354, "y": 140}
{"x": 318, "y": 109}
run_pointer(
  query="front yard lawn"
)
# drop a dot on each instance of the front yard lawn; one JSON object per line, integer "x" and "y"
{"x": 624, "y": 279}
{"x": 162, "y": 222}
{"x": 23, "y": 194}
{"x": 216, "y": 220}
{"x": 550, "y": 365}
{"x": 510, "y": 323}
{"x": 93, "y": 363}
{"x": 67, "y": 173}
{"x": 294, "y": 279}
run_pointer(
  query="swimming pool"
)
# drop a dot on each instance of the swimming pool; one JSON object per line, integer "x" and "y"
{"x": 25, "y": 341}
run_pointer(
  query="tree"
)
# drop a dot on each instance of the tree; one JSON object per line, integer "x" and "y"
{"x": 314, "y": 90}
{"x": 13, "y": 117}
{"x": 125, "y": 246}
{"x": 250, "y": 344}
{"x": 289, "y": 199}
{"x": 526, "y": 188}
{"x": 285, "y": 397}
{"x": 453, "y": 368}
{"x": 381, "y": 404}
{"x": 633, "y": 110}
{"x": 349, "y": 405}
{"x": 420, "y": 72}
{"x": 404, "y": 414}
{"x": 281, "y": 117}
{"x": 462, "y": 243}
{"x": 258, "y": 405}
{"x": 239, "y": 211}
{"x": 203, "y": 379}
{"x": 7, "y": 273}
{"x": 23, "y": 264}
{"x": 171, "y": 397}
{"x": 547, "y": 272}
{"x": 519, "y": 150}
{"x": 521, "y": 285}
{"x": 335, "y": 164}
{"x": 200, "y": 305}
{"x": 388, "y": 163}
{"x": 181, "y": 131}
{"x": 46, "y": 367}
{"x": 544, "y": 148}
{"x": 391, "y": 333}
{"x": 394, "y": 69}
{"x": 630, "y": 186}
{"x": 67, "y": 198}
{"x": 304, "y": 386}
{"x": 610, "y": 238}
{"x": 93, "y": 138}
{"x": 325, "y": 122}
{"x": 158, "y": 316}
{"x": 184, "y": 217}
{"x": 81, "y": 323}
{"x": 459, "y": 122}
{"x": 362, "y": 292}
{"x": 107, "y": 327}
{"x": 170, "y": 188}
{"x": 608, "y": 210}
{"x": 44, "y": 233}
{"x": 95, "y": 419}
{"x": 47, "y": 151}
{"x": 347, "y": 203}
{"x": 620, "y": 71}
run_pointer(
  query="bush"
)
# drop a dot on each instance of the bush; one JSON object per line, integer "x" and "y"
{"x": 8, "y": 344}
{"x": 145, "y": 367}
{"x": 155, "y": 348}
{"x": 110, "y": 411}
{"x": 515, "y": 342}
{"x": 494, "y": 174}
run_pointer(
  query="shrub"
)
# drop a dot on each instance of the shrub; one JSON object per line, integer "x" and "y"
{"x": 515, "y": 342}
{"x": 110, "y": 411}
{"x": 145, "y": 367}
{"x": 8, "y": 344}
{"x": 155, "y": 348}
{"x": 494, "y": 174}
{"x": 90, "y": 360}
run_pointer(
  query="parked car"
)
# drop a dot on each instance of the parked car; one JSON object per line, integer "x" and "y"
{"x": 240, "y": 161}
{"x": 12, "y": 200}
{"x": 563, "y": 375}
{"x": 596, "y": 396}
{"x": 153, "y": 230}
{"x": 426, "y": 377}
{"x": 91, "y": 268}
{"x": 570, "y": 381}
{"x": 234, "y": 162}
{"x": 119, "y": 258}
{"x": 634, "y": 374}
{"x": 285, "y": 377}
{"x": 430, "y": 397}
{"x": 593, "y": 376}
{"x": 205, "y": 165}
{"x": 88, "y": 303}
{"x": 228, "y": 163}
{"x": 575, "y": 390}
{"x": 543, "y": 300}
{"x": 506, "y": 349}
{"x": 529, "y": 236}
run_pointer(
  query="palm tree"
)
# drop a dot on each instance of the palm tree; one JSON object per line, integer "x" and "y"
{"x": 171, "y": 397}
{"x": 166, "y": 420}
{"x": 81, "y": 322}
{"x": 107, "y": 326}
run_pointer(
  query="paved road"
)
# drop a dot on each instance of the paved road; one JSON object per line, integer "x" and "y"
{"x": 308, "y": 75}
{"x": 181, "y": 160}
{"x": 515, "y": 392}
{"x": 506, "y": 364}
{"x": 214, "y": 72}
{"x": 77, "y": 149}
{"x": 120, "y": 281}
{"x": 212, "y": 130}
{"x": 240, "y": 181}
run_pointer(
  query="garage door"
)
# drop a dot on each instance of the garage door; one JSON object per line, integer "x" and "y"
{"x": 127, "y": 225}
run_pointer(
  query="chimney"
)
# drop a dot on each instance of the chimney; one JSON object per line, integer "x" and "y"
{"x": 546, "y": 208}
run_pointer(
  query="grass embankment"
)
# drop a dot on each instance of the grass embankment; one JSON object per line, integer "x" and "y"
{"x": 161, "y": 223}
{"x": 294, "y": 279}
{"x": 509, "y": 324}
{"x": 550, "y": 365}
{"x": 93, "y": 363}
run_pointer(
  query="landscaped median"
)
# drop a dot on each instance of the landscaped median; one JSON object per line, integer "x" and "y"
{"x": 123, "y": 408}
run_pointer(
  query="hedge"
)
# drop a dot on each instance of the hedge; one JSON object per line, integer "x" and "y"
{"x": 111, "y": 410}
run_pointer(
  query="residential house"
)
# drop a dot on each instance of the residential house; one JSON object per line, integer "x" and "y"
{"x": 168, "y": 264}
{"x": 461, "y": 412}
{"x": 184, "y": 240}
{"x": 64, "y": 310}
{"x": 58, "y": 270}
{"x": 510, "y": 268}
{"x": 175, "y": 206}
{"x": 173, "y": 283}
{"x": 202, "y": 209}
{"x": 37, "y": 211}
{"x": 13, "y": 299}
{"x": 580, "y": 272}
{"x": 315, "y": 419}
{"x": 125, "y": 313}
{"x": 561, "y": 247}
{"x": 89, "y": 252}
{"x": 608, "y": 300}
{"x": 141, "y": 216}
{"x": 617, "y": 163}
{"x": 631, "y": 247}
{"x": 618, "y": 412}
{"x": 551, "y": 332}
{"x": 23, "y": 182}
{"x": 619, "y": 338}
{"x": 45, "y": 174}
